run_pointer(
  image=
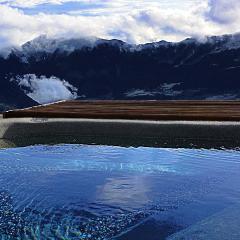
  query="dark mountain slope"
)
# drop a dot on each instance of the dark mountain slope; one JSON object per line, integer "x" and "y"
{"x": 102, "y": 69}
{"x": 11, "y": 96}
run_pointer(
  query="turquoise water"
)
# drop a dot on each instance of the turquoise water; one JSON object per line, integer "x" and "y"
{"x": 106, "y": 192}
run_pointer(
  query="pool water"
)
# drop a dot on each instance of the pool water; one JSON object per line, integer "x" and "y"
{"x": 106, "y": 192}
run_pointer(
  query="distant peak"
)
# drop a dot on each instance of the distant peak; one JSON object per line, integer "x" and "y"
{"x": 50, "y": 45}
{"x": 46, "y": 44}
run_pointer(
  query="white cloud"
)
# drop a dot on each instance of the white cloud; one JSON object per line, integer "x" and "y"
{"x": 224, "y": 11}
{"x": 107, "y": 3}
{"x": 30, "y": 3}
{"x": 132, "y": 21}
{"x": 17, "y": 27}
{"x": 46, "y": 90}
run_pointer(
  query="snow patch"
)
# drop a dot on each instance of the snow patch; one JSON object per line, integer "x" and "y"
{"x": 166, "y": 89}
{"x": 227, "y": 96}
{"x": 139, "y": 93}
{"x": 233, "y": 67}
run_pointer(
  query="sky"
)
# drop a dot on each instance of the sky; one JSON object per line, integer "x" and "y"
{"x": 133, "y": 21}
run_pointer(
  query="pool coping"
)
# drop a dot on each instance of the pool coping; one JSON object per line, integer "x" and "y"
{"x": 29, "y": 131}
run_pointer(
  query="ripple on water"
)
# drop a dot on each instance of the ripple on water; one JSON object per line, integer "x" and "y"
{"x": 101, "y": 192}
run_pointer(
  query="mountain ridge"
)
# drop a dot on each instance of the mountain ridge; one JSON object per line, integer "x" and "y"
{"x": 113, "y": 69}
{"x": 43, "y": 43}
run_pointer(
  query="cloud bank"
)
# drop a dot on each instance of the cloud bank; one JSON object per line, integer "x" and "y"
{"x": 137, "y": 21}
{"x": 46, "y": 90}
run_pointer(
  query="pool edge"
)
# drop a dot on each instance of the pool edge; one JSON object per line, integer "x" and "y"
{"x": 29, "y": 131}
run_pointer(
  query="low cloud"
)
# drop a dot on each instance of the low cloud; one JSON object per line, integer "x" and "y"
{"x": 46, "y": 90}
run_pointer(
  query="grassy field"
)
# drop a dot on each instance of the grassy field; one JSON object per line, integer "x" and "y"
{"x": 138, "y": 110}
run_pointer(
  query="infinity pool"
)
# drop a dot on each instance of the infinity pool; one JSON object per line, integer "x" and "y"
{"x": 105, "y": 192}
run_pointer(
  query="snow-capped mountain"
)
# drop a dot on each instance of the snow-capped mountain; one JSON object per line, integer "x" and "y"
{"x": 208, "y": 68}
{"x": 41, "y": 46}
{"x": 44, "y": 44}
{"x": 50, "y": 45}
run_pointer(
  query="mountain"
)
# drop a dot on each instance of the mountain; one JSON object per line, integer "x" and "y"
{"x": 112, "y": 69}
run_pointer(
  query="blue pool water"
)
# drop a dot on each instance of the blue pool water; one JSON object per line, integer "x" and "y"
{"x": 105, "y": 192}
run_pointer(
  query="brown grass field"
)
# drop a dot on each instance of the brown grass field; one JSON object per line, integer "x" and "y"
{"x": 135, "y": 110}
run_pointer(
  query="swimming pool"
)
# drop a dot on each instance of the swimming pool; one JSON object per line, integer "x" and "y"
{"x": 108, "y": 192}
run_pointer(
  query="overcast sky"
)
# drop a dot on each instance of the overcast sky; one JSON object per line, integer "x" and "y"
{"x": 134, "y": 21}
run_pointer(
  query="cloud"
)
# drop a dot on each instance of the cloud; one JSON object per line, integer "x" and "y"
{"x": 132, "y": 21}
{"x": 30, "y": 3}
{"x": 17, "y": 27}
{"x": 46, "y": 90}
{"x": 224, "y": 11}
{"x": 107, "y": 3}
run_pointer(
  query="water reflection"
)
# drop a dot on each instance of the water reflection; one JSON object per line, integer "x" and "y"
{"x": 100, "y": 192}
{"x": 125, "y": 191}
